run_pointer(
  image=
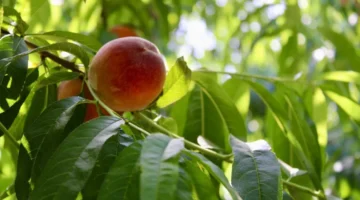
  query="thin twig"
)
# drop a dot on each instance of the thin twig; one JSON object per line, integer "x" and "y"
{"x": 304, "y": 189}
{"x": 63, "y": 62}
{"x": 7, "y": 134}
{"x": 225, "y": 157}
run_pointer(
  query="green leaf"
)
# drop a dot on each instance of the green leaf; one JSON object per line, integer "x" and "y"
{"x": 82, "y": 39}
{"x": 343, "y": 76}
{"x": 159, "y": 165}
{"x": 349, "y": 106}
{"x": 122, "y": 181}
{"x": 319, "y": 115}
{"x": 214, "y": 170}
{"x": 46, "y": 132}
{"x": 62, "y": 46}
{"x": 306, "y": 141}
{"x": 223, "y": 104}
{"x": 6, "y": 43}
{"x": 184, "y": 186}
{"x": 269, "y": 99}
{"x": 56, "y": 77}
{"x": 23, "y": 174}
{"x": 17, "y": 126}
{"x": 178, "y": 113}
{"x": 203, "y": 119}
{"x": 37, "y": 102}
{"x": 256, "y": 172}
{"x": 107, "y": 156}
{"x": 239, "y": 92}
{"x": 16, "y": 69}
{"x": 20, "y": 25}
{"x": 1, "y": 14}
{"x": 344, "y": 46}
{"x": 202, "y": 183}
{"x": 162, "y": 11}
{"x": 176, "y": 84}
{"x": 67, "y": 171}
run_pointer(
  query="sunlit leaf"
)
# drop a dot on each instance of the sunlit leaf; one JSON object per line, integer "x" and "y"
{"x": 82, "y": 39}
{"x": 343, "y": 76}
{"x": 349, "y": 106}
{"x": 63, "y": 46}
{"x": 344, "y": 46}
{"x": 256, "y": 172}
{"x": 239, "y": 92}
{"x": 20, "y": 25}
{"x": 66, "y": 172}
{"x": 176, "y": 84}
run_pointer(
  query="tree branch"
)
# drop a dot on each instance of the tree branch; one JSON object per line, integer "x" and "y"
{"x": 46, "y": 54}
{"x": 63, "y": 62}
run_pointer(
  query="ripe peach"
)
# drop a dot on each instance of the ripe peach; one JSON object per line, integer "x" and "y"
{"x": 127, "y": 73}
{"x": 71, "y": 88}
{"x": 123, "y": 31}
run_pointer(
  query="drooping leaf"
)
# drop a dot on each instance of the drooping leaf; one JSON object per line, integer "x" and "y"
{"x": 162, "y": 11}
{"x": 184, "y": 185}
{"x": 67, "y": 171}
{"x": 319, "y": 115}
{"x": 82, "y": 39}
{"x": 23, "y": 174}
{"x": 307, "y": 140}
{"x": 344, "y": 46}
{"x": 46, "y": 132}
{"x": 350, "y": 107}
{"x": 159, "y": 165}
{"x": 222, "y": 103}
{"x": 176, "y": 84}
{"x": 203, "y": 119}
{"x": 112, "y": 147}
{"x": 122, "y": 181}
{"x": 56, "y": 77}
{"x": 39, "y": 100}
{"x": 215, "y": 171}
{"x": 268, "y": 99}
{"x": 62, "y": 46}
{"x": 20, "y": 25}
{"x": 16, "y": 69}
{"x": 343, "y": 76}
{"x": 204, "y": 187}
{"x": 239, "y": 92}
{"x": 256, "y": 172}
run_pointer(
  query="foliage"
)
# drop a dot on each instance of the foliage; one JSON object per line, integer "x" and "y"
{"x": 261, "y": 101}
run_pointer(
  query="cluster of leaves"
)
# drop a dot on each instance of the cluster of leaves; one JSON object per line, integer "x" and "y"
{"x": 195, "y": 149}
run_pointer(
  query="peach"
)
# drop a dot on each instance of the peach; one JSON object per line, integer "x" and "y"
{"x": 127, "y": 73}
{"x": 71, "y": 88}
{"x": 123, "y": 31}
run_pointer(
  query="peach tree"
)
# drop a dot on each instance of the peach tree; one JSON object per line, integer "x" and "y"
{"x": 189, "y": 140}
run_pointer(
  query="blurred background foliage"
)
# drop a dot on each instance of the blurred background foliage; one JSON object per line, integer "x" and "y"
{"x": 294, "y": 39}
